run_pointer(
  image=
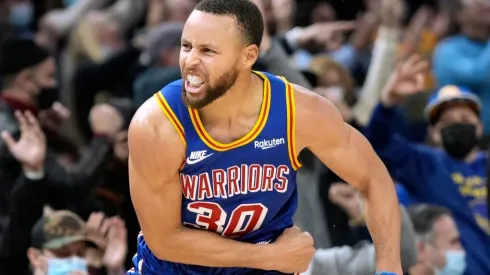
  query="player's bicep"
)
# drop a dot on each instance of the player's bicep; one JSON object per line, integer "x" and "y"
{"x": 339, "y": 146}
{"x": 352, "y": 157}
{"x": 155, "y": 155}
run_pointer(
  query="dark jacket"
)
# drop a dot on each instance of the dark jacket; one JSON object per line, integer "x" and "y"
{"x": 22, "y": 200}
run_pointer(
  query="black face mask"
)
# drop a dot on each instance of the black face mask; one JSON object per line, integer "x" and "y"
{"x": 459, "y": 139}
{"x": 47, "y": 97}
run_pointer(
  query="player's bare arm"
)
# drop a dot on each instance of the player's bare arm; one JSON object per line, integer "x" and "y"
{"x": 156, "y": 154}
{"x": 344, "y": 150}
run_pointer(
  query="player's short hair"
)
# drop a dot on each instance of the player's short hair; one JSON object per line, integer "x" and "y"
{"x": 423, "y": 217}
{"x": 246, "y": 13}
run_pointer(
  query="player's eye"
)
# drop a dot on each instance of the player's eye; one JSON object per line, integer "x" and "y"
{"x": 186, "y": 47}
{"x": 206, "y": 50}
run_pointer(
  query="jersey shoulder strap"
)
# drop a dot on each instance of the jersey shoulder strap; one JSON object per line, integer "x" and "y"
{"x": 170, "y": 101}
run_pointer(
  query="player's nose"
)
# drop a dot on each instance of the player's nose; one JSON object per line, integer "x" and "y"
{"x": 192, "y": 59}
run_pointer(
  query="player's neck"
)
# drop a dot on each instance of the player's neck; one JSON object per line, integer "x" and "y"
{"x": 241, "y": 99}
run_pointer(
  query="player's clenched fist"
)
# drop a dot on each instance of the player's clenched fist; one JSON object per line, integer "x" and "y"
{"x": 294, "y": 250}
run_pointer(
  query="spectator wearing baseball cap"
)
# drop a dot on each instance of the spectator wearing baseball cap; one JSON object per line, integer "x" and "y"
{"x": 453, "y": 114}
{"x": 24, "y": 69}
{"x": 452, "y": 173}
{"x": 61, "y": 243}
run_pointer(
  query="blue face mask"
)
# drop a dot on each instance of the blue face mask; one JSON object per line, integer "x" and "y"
{"x": 455, "y": 263}
{"x": 21, "y": 14}
{"x": 66, "y": 266}
{"x": 68, "y": 3}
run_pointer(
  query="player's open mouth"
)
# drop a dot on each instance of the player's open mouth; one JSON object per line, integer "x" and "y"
{"x": 193, "y": 84}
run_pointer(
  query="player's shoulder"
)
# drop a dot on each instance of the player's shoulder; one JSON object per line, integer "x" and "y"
{"x": 151, "y": 124}
{"x": 153, "y": 142}
{"x": 318, "y": 122}
{"x": 312, "y": 110}
{"x": 307, "y": 101}
{"x": 150, "y": 112}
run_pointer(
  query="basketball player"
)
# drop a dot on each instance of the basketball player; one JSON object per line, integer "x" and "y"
{"x": 213, "y": 159}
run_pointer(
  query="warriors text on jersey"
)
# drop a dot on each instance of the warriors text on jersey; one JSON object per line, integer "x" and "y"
{"x": 244, "y": 190}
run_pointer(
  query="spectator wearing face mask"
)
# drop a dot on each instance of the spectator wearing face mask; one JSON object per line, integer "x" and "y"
{"x": 63, "y": 244}
{"x": 59, "y": 245}
{"x": 464, "y": 59}
{"x": 26, "y": 69}
{"x": 451, "y": 173}
{"x": 22, "y": 203}
{"x": 438, "y": 242}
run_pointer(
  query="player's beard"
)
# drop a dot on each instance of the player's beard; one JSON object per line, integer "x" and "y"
{"x": 223, "y": 84}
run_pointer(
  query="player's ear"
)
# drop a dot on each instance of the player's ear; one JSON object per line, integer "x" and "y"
{"x": 250, "y": 55}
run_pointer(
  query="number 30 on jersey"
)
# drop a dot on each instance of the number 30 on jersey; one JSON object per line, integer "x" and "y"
{"x": 244, "y": 219}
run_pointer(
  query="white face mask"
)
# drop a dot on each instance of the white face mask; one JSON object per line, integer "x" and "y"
{"x": 455, "y": 263}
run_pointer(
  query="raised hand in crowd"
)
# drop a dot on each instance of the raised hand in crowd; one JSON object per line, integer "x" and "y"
{"x": 106, "y": 120}
{"x": 389, "y": 13}
{"x": 117, "y": 246}
{"x": 367, "y": 24}
{"x": 97, "y": 228}
{"x": 30, "y": 148}
{"x": 110, "y": 235}
{"x": 319, "y": 35}
{"x": 406, "y": 80}
{"x": 441, "y": 24}
{"x": 413, "y": 32}
{"x": 392, "y": 12}
{"x": 348, "y": 199}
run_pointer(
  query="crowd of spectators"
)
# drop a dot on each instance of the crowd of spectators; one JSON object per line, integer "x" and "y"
{"x": 410, "y": 75}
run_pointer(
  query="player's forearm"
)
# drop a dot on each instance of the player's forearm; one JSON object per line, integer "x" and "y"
{"x": 382, "y": 214}
{"x": 199, "y": 247}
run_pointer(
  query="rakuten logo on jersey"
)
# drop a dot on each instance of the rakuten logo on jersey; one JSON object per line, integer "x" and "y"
{"x": 268, "y": 144}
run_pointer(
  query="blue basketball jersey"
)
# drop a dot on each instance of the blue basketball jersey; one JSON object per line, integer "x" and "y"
{"x": 244, "y": 190}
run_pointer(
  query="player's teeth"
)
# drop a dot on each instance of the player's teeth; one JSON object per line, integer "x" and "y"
{"x": 194, "y": 80}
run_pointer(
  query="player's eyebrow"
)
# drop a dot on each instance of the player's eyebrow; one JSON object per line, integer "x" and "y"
{"x": 204, "y": 45}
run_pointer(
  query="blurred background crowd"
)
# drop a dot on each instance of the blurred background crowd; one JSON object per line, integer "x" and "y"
{"x": 73, "y": 72}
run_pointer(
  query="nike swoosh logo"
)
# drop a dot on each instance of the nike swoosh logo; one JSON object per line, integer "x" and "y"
{"x": 190, "y": 161}
{"x": 264, "y": 242}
